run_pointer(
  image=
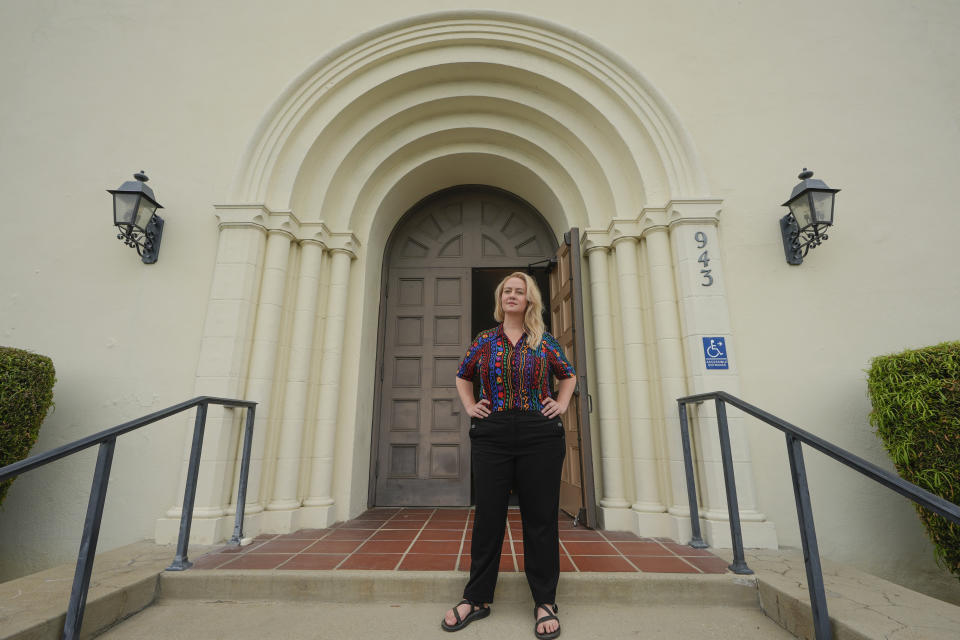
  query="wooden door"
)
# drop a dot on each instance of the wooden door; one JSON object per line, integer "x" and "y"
{"x": 423, "y": 458}
{"x": 577, "y": 496}
{"x": 420, "y": 443}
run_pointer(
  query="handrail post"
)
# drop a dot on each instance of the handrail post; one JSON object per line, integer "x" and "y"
{"x": 808, "y": 538}
{"x": 180, "y": 561}
{"x": 244, "y": 473}
{"x": 696, "y": 538}
{"x": 88, "y": 543}
{"x": 733, "y": 508}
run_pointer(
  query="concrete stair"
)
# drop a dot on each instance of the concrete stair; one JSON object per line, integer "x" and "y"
{"x": 132, "y": 597}
{"x": 263, "y": 619}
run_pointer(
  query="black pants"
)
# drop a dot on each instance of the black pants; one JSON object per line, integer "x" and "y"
{"x": 522, "y": 450}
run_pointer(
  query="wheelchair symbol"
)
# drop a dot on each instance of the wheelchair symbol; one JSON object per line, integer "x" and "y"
{"x": 713, "y": 350}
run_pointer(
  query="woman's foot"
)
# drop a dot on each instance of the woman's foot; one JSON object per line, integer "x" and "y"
{"x": 463, "y": 614}
{"x": 547, "y": 626}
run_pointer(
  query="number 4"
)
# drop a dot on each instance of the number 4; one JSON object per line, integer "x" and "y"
{"x": 704, "y": 259}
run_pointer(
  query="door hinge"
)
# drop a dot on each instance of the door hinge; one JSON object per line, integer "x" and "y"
{"x": 549, "y": 262}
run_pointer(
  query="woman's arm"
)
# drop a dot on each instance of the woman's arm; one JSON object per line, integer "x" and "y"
{"x": 553, "y": 408}
{"x": 474, "y": 409}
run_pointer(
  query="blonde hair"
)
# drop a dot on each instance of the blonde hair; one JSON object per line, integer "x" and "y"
{"x": 533, "y": 317}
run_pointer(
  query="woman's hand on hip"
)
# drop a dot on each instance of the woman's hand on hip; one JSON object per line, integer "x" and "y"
{"x": 552, "y": 408}
{"x": 479, "y": 409}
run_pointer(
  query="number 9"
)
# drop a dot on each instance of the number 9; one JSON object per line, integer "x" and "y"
{"x": 701, "y": 239}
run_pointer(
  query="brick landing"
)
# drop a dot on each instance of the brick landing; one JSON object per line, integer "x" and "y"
{"x": 438, "y": 539}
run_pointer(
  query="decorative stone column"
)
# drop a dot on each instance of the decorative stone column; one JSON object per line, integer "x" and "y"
{"x": 283, "y": 510}
{"x": 705, "y": 326}
{"x": 224, "y": 350}
{"x": 671, "y": 371}
{"x": 263, "y": 363}
{"x": 613, "y": 505}
{"x": 318, "y": 511}
{"x": 649, "y": 510}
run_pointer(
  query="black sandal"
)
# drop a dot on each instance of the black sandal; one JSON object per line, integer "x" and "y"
{"x": 481, "y": 611}
{"x": 538, "y": 621}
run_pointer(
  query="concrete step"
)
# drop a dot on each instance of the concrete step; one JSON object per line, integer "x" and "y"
{"x": 130, "y": 587}
{"x": 861, "y": 606}
{"x": 442, "y": 586}
{"x": 182, "y": 619}
{"x": 124, "y": 581}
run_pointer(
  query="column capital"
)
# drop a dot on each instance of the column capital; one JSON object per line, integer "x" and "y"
{"x": 620, "y": 239}
{"x": 589, "y": 248}
{"x": 652, "y": 219}
{"x": 242, "y": 215}
{"x": 261, "y": 217}
{"x": 281, "y": 232}
{"x": 257, "y": 216}
{"x": 284, "y": 222}
{"x": 343, "y": 242}
{"x": 693, "y": 211}
{"x": 314, "y": 232}
{"x": 617, "y": 229}
{"x": 628, "y": 227}
{"x": 660, "y": 228}
{"x": 341, "y": 250}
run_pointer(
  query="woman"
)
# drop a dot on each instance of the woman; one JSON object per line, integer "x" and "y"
{"x": 517, "y": 441}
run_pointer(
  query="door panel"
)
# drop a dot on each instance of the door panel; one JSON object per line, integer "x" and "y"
{"x": 577, "y": 496}
{"x": 422, "y": 458}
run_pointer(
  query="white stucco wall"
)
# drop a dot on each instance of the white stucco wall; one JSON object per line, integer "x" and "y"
{"x": 864, "y": 93}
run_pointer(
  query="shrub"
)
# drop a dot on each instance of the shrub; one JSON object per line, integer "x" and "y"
{"x": 916, "y": 412}
{"x": 26, "y": 393}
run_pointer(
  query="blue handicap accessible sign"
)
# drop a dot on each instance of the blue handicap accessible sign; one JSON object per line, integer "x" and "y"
{"x": 715, "y": 353}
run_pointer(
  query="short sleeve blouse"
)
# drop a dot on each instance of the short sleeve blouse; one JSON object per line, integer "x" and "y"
{"x": 514, "y": 376}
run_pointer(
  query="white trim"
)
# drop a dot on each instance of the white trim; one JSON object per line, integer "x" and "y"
{"x": 363, "y": 54}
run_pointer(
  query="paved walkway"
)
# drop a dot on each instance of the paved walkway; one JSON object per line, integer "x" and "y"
{"x": 438, "y": 539}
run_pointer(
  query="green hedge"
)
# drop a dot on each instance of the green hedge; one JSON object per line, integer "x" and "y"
{"x": 916, "y": 412}
{"x": 26, "y": 393}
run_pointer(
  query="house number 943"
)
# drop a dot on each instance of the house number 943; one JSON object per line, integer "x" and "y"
{"x": 704, "y": 259}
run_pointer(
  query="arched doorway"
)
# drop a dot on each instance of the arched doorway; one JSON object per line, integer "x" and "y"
{"x": 410, "y": 109}
{"x": 439, "y": 263}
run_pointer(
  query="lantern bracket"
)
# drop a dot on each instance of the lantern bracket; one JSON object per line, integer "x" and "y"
{"x": 147, "y": 244}
{"x": 797, "y": 245}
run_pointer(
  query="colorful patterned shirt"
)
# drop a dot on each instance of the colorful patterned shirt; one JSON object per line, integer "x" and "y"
{"x": 514, "y": 376}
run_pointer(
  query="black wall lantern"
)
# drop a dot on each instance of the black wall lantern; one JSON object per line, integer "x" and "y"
{"x": 134, "y": 214}
{"x": 811, "y": 212}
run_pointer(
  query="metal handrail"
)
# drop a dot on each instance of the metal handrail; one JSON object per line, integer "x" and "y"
{"x": 796, "y": 437}
{"x": 107, "y": 440}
